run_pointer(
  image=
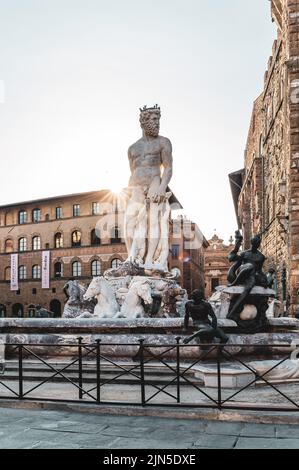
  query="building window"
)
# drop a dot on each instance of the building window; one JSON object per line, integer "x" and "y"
{"x": 115, "y": 263}
{"x": 214, "y": 283}
{"x": 8, "y": 246}
{"x": 76, "y": 238}
{"x": 36, "y": 272}
{"x": 76, "y": 268}
{"x": 96, "y": 268}
{"x": 175, "y": 250}
{"x": 22, "y": 217}
{"x": 34, "y": 291}
{"x": 58, "y": 269}
{"x": 23, "y": 244}
{"x": 95, "y": 208}
{"x": 31, "y": 308}
{"x": 58, "y": 212}
{"x": 7, "y": 273}
{"x": 2, "y": 311}
{"x": 22, "y": 272}
{"x": 94, "y": 239}
{"x": 36, "y": 215}
{"x": 36, "y": 243}
{"x": 58, "y": 240}
{"x": 115, "y": 238}
{"x": 47, "y": 217}
{"x": 76, "y": 210}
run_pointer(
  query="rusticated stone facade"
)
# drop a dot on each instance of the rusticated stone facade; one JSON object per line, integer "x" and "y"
{"x": 266, "y": 193}
{"x": 83, "y": 233}
{"x": 216, "y": 264}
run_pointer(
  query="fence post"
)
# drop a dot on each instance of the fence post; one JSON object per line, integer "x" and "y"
{"x": 98, "y": 341}
{"x": 20, "y": 352}
{"x": 178, "y": 369}
{"x": 141, "y": 355}
{"x": 80, "y": 367}
{"x": 219, "y": 349}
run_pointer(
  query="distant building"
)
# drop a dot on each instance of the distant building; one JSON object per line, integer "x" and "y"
{"x": 187, "y": 250}
{"x": 216, "y": 264}
{"x": 81, "y": 236}
{"x": 266, "y": 190}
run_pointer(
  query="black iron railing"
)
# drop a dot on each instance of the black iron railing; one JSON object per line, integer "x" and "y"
{"x": 158, "y": 375}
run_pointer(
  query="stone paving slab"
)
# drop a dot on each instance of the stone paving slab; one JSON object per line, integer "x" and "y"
{"x": 43, "y": 429}
{"x": 290, "y": 432}
{"x": 216, "y": 441}
{"x": 264, "y": 443}
{"x": 258, "y": 430}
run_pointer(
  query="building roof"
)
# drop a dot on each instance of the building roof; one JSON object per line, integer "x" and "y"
{"x": 102, "y": 193}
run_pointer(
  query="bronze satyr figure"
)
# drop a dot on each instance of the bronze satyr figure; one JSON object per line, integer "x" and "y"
{"x": 204, "y": 318}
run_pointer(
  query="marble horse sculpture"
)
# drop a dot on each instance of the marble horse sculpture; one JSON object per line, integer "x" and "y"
{"x": 138, "y": 290}
{"x": 107, "y": 306}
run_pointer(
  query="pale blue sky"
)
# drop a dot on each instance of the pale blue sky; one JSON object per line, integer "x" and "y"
{"x": 76, "y": 72}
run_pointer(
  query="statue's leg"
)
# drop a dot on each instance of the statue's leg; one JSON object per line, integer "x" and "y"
{"x": 153, "y": 233}
{"x": 203, "y": 331}
{"x": 134, "y": 207}
{"x": 221, "y": 335}
{"x": 162, "y": 251}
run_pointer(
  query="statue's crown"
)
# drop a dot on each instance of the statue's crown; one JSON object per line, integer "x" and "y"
{"x": 153, "y": 108}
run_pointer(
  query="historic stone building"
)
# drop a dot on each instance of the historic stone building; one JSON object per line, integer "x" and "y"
{"x": 266, "y": 191}
{"x": 187, "y": 250}
{"x": 82, "y": 233}
{"x": 216, "y": 264}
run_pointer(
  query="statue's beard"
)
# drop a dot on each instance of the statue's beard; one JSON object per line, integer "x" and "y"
{"x": 151, "y": 129}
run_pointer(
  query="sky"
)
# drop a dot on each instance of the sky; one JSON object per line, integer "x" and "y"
{"x": 73, "y": 74}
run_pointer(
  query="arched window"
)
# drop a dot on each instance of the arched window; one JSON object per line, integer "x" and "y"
{"x": 36, "y": 243}
{"x": 115, "y": 238}
{"x": 8, "y": 245}
{"x": 22, "y": 272}
{"x": 36, "y": 215}
{"x": 76, "y": 238}
{"x": 96, "y": 268}
{"x": 76, "y": 268}
{"x": 58, "y": 269}
{"x": 22, "y": 217}
{"x": 23, "y": 244}
{"x": 7, "y": 273}
{"x": 94, "y": 239}
{"x": 2, "y": 311}
{"x": 58, "y": 240}
{"x": 115, "y": 263}
{"x": 36, "y": 272}
{"x": 31, "y": 311}
{"x": 55, "y": 307}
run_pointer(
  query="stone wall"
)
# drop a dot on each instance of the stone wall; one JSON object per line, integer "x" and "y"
{"x": 269, "y": 200}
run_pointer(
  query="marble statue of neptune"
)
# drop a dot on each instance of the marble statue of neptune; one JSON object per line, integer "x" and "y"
{"x": 148, "y": 209}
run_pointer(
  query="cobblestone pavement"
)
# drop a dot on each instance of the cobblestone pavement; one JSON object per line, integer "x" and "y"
{"x": 41, "y": 429}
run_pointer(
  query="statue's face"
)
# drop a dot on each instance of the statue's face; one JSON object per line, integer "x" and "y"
{"x": 151, "y": 125}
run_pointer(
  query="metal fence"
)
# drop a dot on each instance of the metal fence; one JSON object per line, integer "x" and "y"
{"x": 158, "y": 375}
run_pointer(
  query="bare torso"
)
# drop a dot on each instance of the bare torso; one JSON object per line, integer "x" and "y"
{"x": 145, "y": 162}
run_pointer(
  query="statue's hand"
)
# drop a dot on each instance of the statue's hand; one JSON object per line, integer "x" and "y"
{"x": 159, "y": 196}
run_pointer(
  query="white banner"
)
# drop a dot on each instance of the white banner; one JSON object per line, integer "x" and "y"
{"x": 14, "y": 272}
{"x": 46, "y": 270}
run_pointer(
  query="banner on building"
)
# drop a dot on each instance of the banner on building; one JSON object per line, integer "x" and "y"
{"x": 14, "y": 272}
{"x": 46, "y": 270}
